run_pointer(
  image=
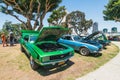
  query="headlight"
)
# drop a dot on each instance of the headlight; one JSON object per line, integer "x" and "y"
{"x": 47, "y": 58}
{"x": 95, "y": 51}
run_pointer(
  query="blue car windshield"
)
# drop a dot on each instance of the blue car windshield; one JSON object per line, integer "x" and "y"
{"x": 77, "y": 38}
{"x": 33, "y": 38}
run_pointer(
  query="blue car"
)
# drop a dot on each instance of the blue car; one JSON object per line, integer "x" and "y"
{"x": 83, "y": 48}
{"x": 82, "y": 39}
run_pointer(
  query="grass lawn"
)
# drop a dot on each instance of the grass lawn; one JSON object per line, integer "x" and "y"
{"x": 91, "y": 63}
{"x": 15, "y": 62}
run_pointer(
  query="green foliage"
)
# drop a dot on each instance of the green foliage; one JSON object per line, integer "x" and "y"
{"x": 112, "y": 10}
{"x": 78, "y": 21}
{"x": 15, "y": 28}
{"x": 57, "y": 16}
{"x": 52, "y": 4}
{"x": 0, "y": 33}
{"x": 32, "y": 10}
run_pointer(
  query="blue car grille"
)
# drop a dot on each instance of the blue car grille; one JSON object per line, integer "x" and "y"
{"x": 59, "y": 56}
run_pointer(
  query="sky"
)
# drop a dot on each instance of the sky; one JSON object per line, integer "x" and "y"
{"x": 93, "y": 9}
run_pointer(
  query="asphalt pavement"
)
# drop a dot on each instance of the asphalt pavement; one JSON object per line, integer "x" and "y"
{"x": 109, "y": 71}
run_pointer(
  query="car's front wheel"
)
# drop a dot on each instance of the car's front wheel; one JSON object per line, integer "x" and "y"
{"x": 33, "y": 64}
{"x": 84, "y": 51}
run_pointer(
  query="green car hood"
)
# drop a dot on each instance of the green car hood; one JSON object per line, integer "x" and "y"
{"x": 51, "y": 33}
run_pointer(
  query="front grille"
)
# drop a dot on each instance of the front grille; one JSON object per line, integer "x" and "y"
{"x": 59, "y": 56}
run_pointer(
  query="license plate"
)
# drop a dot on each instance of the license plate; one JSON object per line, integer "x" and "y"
{"x": 60, "y": 63}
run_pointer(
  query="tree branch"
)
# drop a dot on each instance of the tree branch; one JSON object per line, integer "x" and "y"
{"x": 60, "y": 20}
{"x": 16, "y": 6}
{"x": 31, "y": 7}
{"x": 6, "y": 2}
{"x": 18, "y": 19}
{"x": 38, "y": 14}
{"x": 116, "y": 19}
{"x": 48, "y": 5}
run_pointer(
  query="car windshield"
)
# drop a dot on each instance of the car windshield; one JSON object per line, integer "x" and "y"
{"x": 77, "y": 38}
{"x": 32, "y": 38}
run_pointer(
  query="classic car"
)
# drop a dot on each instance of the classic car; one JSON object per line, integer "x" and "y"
{"x": 82, "y": 39}
{"x": 97, "y": 37}
{"x": 83, "y": 48}
{"x": 43, "y": 48}
{"x": 114, "y": 38}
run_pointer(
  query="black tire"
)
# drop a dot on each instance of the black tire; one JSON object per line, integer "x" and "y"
{"x": 84, "y": 51}
{"x": 22, "y": 49}
{"x": 33, "y": 64}
{"x": 67, "y": 61}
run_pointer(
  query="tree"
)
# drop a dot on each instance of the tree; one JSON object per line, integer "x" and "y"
{"x": 0, "y": 33}
{"x": 6, "y": 27}
{"x": 57, "y": 16}
{"x": 77, "y": 20}
{"x": 15, "y": 28}
{"x": 112, "y": 10}
{"x": 33, "y": 11}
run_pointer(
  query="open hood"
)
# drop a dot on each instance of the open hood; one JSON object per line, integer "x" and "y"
{"x": 51, "y": 33}
{"x": 92, "y": 35}
{"x": 95, "y": 34}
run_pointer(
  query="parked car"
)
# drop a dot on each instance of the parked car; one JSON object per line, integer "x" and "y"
{"x": 83, "y": 48}
{"x": 114, "y": 38}
{"x": 98, "y": 37}
{"x": 82, "y": 39}
{"x": 43, "y": 48}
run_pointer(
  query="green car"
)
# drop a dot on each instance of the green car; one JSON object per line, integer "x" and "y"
{"x": 43, "y": 48}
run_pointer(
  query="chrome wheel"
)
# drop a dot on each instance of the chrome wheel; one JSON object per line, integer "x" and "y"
{"x": 33, "y": 64}
{"x": 84, "y": 51}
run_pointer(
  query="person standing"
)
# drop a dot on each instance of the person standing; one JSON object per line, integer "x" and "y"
{"x": 3, "y": 39}
{"x": 11, "y": 37}
{"x": 7, "y": 37}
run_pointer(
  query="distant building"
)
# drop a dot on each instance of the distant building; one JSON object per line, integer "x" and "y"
{"x": 113, "y": 34}
{"x": 95, "y": 27}
{"x": 105, "y": 30}
{"x": 114, "y": 30}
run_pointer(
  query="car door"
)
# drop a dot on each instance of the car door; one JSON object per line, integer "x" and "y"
{"x": 29, "y": 48}
{"x": 25, "y": 43}
{"x": 68, "y": 40}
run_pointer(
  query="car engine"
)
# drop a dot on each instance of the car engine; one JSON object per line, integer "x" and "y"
{"x": 49, "y": 47}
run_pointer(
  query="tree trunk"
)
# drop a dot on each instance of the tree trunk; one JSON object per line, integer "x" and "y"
{"x": 41, "y": 20}
{"x": 41, "y": 23}
{"x": 29, "y": 26}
